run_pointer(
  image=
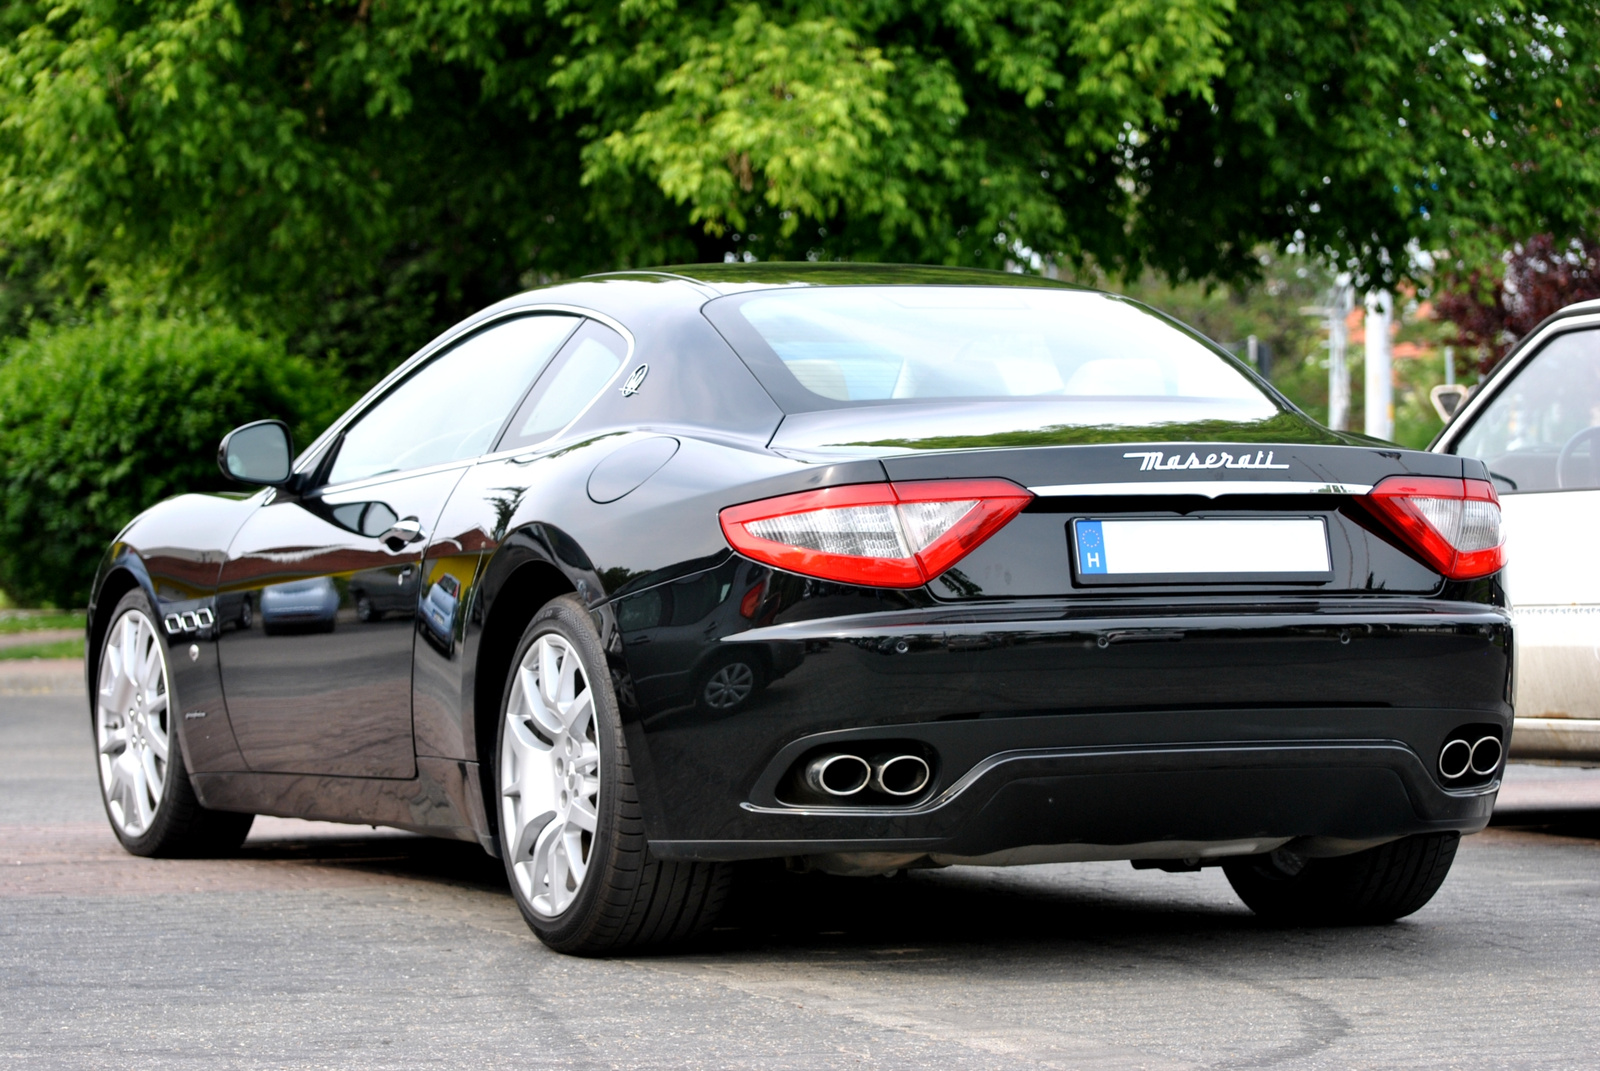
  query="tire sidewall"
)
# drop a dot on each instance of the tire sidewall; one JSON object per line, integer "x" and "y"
{"x": 148, "y": 842}
{"x": 567, "y": 618}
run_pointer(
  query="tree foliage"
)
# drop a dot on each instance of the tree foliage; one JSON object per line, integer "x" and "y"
{"x": 100, "y": 420}
{"x": 355, "y": 173}
{"x": 1494, "y": 306}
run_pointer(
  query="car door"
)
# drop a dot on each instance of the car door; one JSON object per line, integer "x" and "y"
{"x": 1539, "y": 433}
{"x": 313, "y": 686}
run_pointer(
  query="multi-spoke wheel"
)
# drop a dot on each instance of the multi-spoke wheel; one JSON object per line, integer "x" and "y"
{"x": 571, "y": 831}
{"x": 133, "y": 723}
{"x": 550, "y": 784}
{"x": 145, "y": 787}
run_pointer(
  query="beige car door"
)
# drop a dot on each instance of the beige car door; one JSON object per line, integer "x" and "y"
{"x": 1539, "y": 433}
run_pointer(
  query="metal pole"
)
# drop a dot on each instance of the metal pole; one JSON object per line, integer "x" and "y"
{"x": 1449, "y": 366}
{"x": 1338, "y": 370}
{"x": 1380, "y": 379}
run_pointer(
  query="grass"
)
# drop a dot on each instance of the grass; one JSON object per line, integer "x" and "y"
{"x": 15, "y": 621}
{"x": 60, "y": 649}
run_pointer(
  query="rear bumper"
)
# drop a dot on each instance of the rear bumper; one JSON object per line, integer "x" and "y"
{"x": 1079, "y": 730}
{"x": 1355, "y": 792}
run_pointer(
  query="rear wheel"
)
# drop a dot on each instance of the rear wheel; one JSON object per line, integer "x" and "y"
{"x": 143, "y": 783}
{"x": 1378, "y": 885}
{"x": 571, "y": 830}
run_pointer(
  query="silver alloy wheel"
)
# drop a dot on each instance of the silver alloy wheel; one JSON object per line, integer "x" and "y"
{"x": 550, "y": 775}
{"x": 133, "y": 722}
{"x": 729, "y": 686}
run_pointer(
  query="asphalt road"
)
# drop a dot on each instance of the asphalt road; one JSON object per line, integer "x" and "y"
{"x": 326, "y": 946}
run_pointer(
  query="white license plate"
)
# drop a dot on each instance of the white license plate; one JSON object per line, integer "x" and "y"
{"x": 1201, "y": 549}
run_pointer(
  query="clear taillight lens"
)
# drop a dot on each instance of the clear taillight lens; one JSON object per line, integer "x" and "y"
{"x": 882, "y": 535}
{"x": 1454, "y": 525}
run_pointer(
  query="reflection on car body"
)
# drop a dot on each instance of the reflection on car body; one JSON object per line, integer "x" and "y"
{"x": 670, "y": 632}
{"x": 311, "y": 602}
{"x": 439, "y": 609}
{"x": 1535, "y": 422}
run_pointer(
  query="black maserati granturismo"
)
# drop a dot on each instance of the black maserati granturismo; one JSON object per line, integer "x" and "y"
{"x": 638, "y": 577}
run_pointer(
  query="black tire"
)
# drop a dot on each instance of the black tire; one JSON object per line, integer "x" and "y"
{"x": 1378, "y": 885}
{"x": 365, "y": 611}
{"x": 181, "y": 827}
{"x": 629, "y": 900}
{"x": 245, "y": 614}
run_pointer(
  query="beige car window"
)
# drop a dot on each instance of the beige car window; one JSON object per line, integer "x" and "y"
{"x": 1541, "y": 430}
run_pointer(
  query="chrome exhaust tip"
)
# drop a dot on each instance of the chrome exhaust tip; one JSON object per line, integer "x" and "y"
{"x": 900, "y": 775}
{"x": 1486, "y": 756}
{"x": 1455, "y": 759}
{"x": 838, "y": 774}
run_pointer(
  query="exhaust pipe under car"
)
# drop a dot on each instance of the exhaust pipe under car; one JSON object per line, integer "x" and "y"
{"x": 1486, "y": 756}
{"x": 1455, "y": 760}
{"x": 838, "y": 774}
{"x": 900, "y": 775}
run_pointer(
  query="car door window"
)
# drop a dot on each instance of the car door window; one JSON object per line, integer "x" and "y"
{"x": 1541, "y": 431}
{"x": 583, "y": 368}
{"x": 452, "y": 407}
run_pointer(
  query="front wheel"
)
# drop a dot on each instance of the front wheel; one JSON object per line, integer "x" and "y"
{"x": 1378, "y": 885}
{"x": 143, "y": 782}
{"x": 571, "y": 831}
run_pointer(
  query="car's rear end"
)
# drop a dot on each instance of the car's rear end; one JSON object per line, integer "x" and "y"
{"x": 1110, "y": 598}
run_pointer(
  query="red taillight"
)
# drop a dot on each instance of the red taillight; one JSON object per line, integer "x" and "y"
{"x": 885, "y": 535}
{"x": 1453, "y": 524}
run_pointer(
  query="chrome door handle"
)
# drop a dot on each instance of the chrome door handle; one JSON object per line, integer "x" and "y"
{"x": 401, "y": 532}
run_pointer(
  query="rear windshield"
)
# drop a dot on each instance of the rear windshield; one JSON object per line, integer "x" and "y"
{"x": 835, "y": 347}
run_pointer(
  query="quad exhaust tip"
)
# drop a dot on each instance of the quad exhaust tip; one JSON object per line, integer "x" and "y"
{"x": 1455, "y": 760}
{"x": 900, "y": 775}
{"x": 1460, "y": 757}
{"x": 838, "y": 774}
{"x": 1485, "y": 756}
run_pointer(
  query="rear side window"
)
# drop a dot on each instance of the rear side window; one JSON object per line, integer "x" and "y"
{"x": 580, "y": 371}
{"x": 833, "y": 347}
{"x": 451, "y": 407}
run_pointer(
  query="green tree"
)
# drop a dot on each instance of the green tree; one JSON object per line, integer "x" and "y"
{"x": 101, "y": 420}
{"x": 355, "y": 173}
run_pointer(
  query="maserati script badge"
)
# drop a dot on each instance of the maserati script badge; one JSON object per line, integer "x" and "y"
{"x": 1151, "y": 461}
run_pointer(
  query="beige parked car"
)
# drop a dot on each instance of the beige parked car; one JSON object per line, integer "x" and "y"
{"x": 1535, "y": 421}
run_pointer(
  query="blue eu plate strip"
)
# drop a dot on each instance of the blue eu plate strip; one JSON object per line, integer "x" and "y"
{"x": 1091, "y": 547}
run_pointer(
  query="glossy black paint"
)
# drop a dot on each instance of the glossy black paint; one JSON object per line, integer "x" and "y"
{"x": 1053, "y": 713}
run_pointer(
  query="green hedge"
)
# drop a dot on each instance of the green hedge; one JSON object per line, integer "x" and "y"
{"x": 101, "y": 420}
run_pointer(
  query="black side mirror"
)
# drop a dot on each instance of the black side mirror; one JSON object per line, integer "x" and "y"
{"x": 1448, "y": 399}
{"x": 260, "y": 452}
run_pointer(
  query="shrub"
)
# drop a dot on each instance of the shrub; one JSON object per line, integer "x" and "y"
{"x": 101, "y": 420}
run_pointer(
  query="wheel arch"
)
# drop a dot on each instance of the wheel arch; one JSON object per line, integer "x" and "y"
{"x": 517, "y": 584}
{"x": 123, "y": 573}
